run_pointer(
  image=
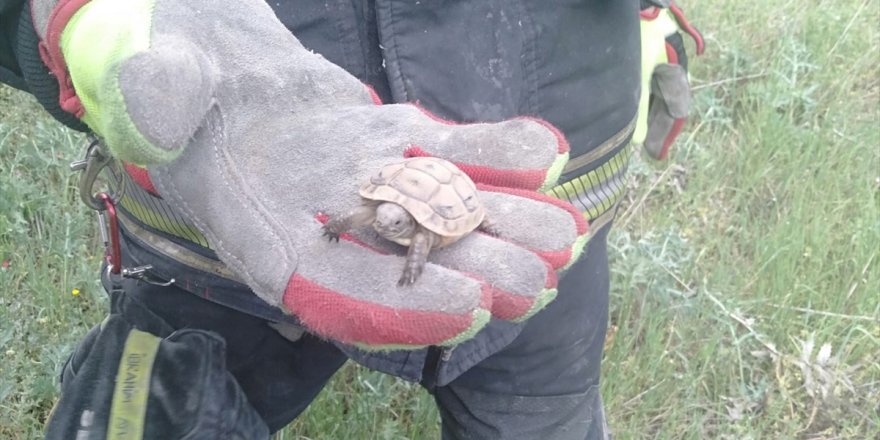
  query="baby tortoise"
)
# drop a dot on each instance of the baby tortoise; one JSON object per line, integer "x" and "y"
{"x": 423, "y": 203}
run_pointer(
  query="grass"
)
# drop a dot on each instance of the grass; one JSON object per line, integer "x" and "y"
{"x": 746, "y": 270}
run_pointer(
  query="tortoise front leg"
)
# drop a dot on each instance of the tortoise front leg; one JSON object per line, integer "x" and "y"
{"x": 361, "y": 216}
{"x": 417, "y": 256}
{"x": 489, "y": 227}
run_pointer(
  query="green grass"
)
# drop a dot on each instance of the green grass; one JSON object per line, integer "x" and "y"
{"x": 746, "y": 270}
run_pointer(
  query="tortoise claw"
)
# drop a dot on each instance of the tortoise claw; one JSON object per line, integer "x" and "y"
{"x": 410, "y": 274}
{"x": 331, "y": 235}
{"x": 335, "y": 227}
{"x": 405, "y": 281}
{"x": 489, "y": 227}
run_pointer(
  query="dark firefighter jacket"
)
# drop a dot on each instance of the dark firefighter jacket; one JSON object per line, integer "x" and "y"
{"x": 574, "y": 63}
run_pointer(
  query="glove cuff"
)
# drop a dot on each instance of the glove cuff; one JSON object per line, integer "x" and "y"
{"x": 662, "y": 113}
{"x": 84, "y": 44}
{"x": 50, "y": 17}
{"x": 39, "y": 80}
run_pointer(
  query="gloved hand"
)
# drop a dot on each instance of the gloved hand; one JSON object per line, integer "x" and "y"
{"x": 253, "y": 138}
{"x": 665, "y": 100}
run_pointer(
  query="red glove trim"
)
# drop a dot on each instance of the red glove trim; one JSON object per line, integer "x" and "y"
{"x": 677, "y": 126}
{"x": 671, "y": 54}
{"x": 580, "y": 223}
{"x": 650, "y": 13}
{"x": 558, "y": 258}
{"x": 373, "y": 95}
{"x": 684, "y": 24}
{"x": 529, "y": 179}
{"x": 561, "y": 142}
{"x": 50, "y": 53}
{"x": 142, "y": 177}
{"x": 333, "y": 315}
{"x": 509, "y": 306}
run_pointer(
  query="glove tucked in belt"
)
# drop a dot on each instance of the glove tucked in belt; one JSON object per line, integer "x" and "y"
{"x": 665, "y": 100}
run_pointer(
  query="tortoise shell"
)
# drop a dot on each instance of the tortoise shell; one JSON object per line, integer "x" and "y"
{"x": 440, "y": 197}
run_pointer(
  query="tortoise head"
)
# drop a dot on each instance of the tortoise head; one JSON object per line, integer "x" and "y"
{"x": 393, "y": 222}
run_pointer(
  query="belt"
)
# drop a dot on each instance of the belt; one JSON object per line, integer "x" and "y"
{"x": 176, "y": 264}
{"x": 597, "y": 191}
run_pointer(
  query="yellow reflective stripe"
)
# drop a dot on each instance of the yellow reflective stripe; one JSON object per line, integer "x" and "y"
{"x": 587, "y": 193}
{"x": 176, "y": 252}
{"x": 606, "y": 187}
{"x": 155, "y": 213}
{"x": 569, "y": 189}
{"x": 593, "y": 178}
{"x": 132, "y": 388}
{"x": 162, "y": 223}
{"x": 592, "y": 213}
{"x": 613, "y": 142}
{"x": 141, "y": 213}
{"x": 581, "y": 186}
{"x": 559, "y": 192}
{"x": 617, "y": 162}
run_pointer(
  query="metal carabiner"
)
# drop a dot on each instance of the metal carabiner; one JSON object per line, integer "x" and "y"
{"x": 110, "y": 233}
{"x": 104, "y": 204}
{"x": 95, "y": 161}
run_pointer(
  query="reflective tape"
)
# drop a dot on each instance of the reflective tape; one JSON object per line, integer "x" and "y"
{"x": 597, "y": 191}
{"x": 129, "y": 406}
{"x": 155, "y": 213}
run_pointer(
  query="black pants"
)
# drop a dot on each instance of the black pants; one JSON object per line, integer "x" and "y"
{"x": 543, "y": 385}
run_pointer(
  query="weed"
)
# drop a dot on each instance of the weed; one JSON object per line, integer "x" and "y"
{"x": 745, "y": 269}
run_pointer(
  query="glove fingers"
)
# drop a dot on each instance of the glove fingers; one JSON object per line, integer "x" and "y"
{"x": 520, "y": 153}
{"x": 662, "y": 130}
{"x": 547, "y": 226}
{"x": 348, "y": 292}
{"x": 670, "y": 83}
{"x": 537, "y": 235}
{"x": 517, "y": 281}
{"x": 520, "y": 282}
{"x": 340, "y": 291}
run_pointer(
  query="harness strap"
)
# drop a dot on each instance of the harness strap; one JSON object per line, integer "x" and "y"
{"x": 192, "y": 271}
{"x": 597, "y": 192}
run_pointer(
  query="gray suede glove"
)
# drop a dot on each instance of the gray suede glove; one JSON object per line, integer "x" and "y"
{"x": 254, "y": 138}
{"x": 666, "y": 90}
